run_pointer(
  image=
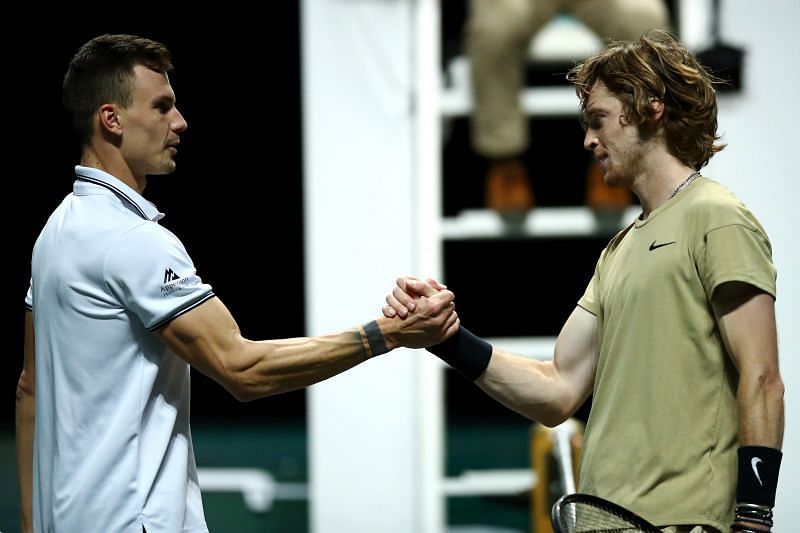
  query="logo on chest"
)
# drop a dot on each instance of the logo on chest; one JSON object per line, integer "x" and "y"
{"x": 655, "y": 246}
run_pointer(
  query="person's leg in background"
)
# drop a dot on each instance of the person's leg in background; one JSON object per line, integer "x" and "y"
{"x": 498, "y": 33}
{"x": 618, "y": 20}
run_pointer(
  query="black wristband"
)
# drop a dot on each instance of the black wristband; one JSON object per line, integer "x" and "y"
{"x": 758, "y": 475}
{"x": 465, "y": 352}
{"x": 738, "y": 528}
{"x": 375, "y": 339}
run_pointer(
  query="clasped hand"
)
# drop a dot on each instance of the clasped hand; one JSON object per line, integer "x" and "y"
{"x": 423, "y": 312}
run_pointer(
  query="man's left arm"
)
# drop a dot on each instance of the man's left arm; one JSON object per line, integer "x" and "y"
{"x": 746, "y": 319}
{"x": 25, "y": 420}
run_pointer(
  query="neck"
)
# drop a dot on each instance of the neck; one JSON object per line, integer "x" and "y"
{"x": 661, "y": 174}
{"x": 112, "y": 162}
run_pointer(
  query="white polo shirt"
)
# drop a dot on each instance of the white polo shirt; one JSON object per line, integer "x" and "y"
{"x": 112, "y": 447}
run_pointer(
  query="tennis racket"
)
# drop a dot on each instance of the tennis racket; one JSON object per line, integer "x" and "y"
{"x": 584, "y": 513}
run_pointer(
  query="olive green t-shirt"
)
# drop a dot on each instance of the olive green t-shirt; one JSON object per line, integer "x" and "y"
{"x": 661, "y": 438}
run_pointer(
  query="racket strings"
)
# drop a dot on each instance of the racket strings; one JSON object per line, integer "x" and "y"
{"x": 582, "y": 518}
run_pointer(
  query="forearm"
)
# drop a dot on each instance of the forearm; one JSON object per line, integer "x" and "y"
{"x": 761, "y": 420}
{"x": 760, "y": 403}
{"x": 264, "y": 368}
{"x": 547, "y": 391}
{"x": 25, "y": 419}
{"x": 531, "y": 388}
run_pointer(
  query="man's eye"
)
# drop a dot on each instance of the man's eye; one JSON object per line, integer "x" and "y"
{"x": 591, "y": 121}
{"x": 163, "y": 107}
{"x": 595, "y": 122}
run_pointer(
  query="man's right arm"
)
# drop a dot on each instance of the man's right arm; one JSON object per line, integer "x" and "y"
{"x": 545, "y": 391}
{"x": 208, "y": 338}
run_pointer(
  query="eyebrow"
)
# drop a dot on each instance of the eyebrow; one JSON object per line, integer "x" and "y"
{"x": 587, "y": 112}
{"x": 595, "y": 109}
{"x": 164, "y": 99}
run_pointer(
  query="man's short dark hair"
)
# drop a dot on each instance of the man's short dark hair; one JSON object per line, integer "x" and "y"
{"x": 101, "y": 72}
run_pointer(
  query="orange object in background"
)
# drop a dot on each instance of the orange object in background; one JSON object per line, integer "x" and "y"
{"x": 600, "y": 196}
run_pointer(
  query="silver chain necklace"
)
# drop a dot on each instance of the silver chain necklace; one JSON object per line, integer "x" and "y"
{"x": 693, "y": 176}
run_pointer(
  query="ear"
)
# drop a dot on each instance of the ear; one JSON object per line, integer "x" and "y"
{"x": 658, "y": 108}
{"x": 110, "y": 119}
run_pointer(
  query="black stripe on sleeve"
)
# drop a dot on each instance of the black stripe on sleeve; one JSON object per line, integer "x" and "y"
{"x": 181, "y": 310}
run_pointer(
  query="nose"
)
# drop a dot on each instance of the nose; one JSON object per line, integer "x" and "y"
{"x": 179, "y": 123}
{"x": 590, "y": 141}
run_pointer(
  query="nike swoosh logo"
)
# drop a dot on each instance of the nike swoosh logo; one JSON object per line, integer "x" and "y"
{"x": 754, "y": 462}
{"x": 655, "y": 246}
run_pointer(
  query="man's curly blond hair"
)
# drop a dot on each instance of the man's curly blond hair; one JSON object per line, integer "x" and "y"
{"x": 657, "y": 65}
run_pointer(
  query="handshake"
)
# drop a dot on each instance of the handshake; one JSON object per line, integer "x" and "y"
{"x": 418, "y": 314}
{"x": 421, "y": 314}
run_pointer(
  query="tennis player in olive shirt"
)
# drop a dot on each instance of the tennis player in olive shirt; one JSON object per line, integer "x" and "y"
{"x": 675, "y": 334}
